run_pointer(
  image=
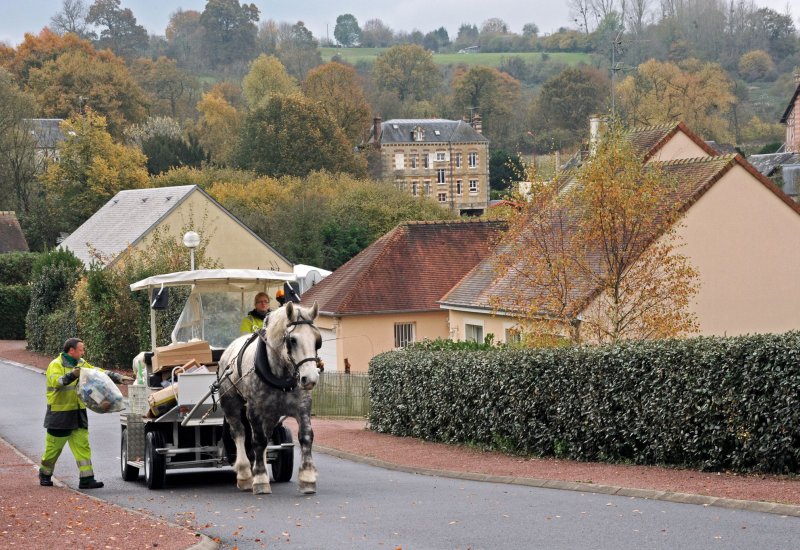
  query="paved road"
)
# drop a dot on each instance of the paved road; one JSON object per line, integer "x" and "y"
{"x": 359, "y": 506}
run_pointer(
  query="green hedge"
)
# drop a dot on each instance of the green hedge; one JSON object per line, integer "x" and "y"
{"x": 14, "y": 302}
{"x": 16, "y": 267}
{"x": 51, "y": 296}
{"x": 707, "y": 403}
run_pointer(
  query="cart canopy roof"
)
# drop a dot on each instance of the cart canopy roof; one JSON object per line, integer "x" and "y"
{"x": 217, "y": 280}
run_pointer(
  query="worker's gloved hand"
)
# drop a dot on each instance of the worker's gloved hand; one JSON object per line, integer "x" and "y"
{"x": 125, "y": 379}
{"x": 76, "y": 372}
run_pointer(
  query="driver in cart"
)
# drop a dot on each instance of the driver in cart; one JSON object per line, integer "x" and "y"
{"x": 254, "y": 320}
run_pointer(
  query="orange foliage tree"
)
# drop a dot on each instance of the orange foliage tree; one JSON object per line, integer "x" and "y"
{"x": 594, "y": 256}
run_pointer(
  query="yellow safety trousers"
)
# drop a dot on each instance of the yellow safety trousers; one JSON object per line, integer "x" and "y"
{"x": 78, "y": 441}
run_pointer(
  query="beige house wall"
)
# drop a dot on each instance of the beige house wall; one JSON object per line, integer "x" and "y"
{"x": 492, "y": 324}
{"x": 744, "y": 241}
{"x": 228, "y": 241}
{"x": 680, "y": 146}
{"x": 359, "y": 338}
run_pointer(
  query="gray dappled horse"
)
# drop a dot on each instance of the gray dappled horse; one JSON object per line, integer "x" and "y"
{"x": 280, "y": 386}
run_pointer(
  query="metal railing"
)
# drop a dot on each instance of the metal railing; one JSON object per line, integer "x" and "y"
{"x": 340, "y": 394}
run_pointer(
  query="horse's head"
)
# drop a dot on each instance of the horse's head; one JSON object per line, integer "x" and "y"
{"x": 300, "y": 340}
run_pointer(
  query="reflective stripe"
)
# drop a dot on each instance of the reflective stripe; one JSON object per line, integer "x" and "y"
{"x": 84, "y": 463}
{"x": 86, "y": 473}
{"x": 62, "y": 388}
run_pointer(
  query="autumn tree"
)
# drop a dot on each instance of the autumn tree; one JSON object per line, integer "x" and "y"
{"x": 755, "y": 65}
{"x": 596, "y": 257}
{"x": 76, "y": 80}
{"x": 347, "y": 32}
{"x": 337, "y": 88}
{"x": 375, "y": 34}
{"x": 493, "y": 94}
{"x": 293, "y": 135}
{"x": 267, "y": 76}
{"x": 119, "y": 30}
{"x": 173, "y": 91}
{"x": 407, "y": 70}
{"x": 697, "y": 93}
{"x": 36, "y": 50}
{"x": 219, "y": 123}
{"x": 91, "y": 169}
{"x": 297, "y": 49}
{"x": 184, "y": 35}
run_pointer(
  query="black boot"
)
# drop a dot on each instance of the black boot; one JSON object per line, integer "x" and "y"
{"x": 89, "y": 483}
{"x": 45, "y": 480}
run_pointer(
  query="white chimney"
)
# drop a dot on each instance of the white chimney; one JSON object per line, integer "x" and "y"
{"x": 594, "y": 133}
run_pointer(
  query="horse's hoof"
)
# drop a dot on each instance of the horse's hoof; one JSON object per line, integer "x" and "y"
{"x": 262, "y": 489}
{"x": 245, "y": 484}
{"x": 307, "y": 488}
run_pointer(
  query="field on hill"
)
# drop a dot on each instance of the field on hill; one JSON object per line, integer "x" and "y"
{"x": 354, "y": 55}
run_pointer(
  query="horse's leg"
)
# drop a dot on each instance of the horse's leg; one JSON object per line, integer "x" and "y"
{"x": 307, "y": 474}
{"x": 232, "y": 408}
{"x": 259, "y": 422}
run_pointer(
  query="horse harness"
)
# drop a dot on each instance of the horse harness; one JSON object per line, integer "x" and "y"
{"x": 264, "y": 372}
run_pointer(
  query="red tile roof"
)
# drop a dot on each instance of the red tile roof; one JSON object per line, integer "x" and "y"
{"x": 408, "y": 269}
{"x": 647, "y": 141}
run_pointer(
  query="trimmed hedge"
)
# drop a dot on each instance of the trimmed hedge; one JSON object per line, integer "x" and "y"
{"x": 16, "y": 267}
{"x": 14, "y": 303}
{"x": 707, "y": 403}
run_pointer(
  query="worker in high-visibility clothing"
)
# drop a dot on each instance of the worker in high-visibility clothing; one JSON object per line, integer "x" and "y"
{"x": 66, "y": 420}
{"x": 254, "y": 320}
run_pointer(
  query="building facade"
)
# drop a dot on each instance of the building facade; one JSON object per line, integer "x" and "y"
{"x": 445, "y": 160}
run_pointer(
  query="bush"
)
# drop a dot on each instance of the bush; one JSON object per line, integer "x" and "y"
{"x": 14, "y": 303}
{"x": 708, "y": 403}
{"x": 55, "y": 276}
{"x": 16, "y": 267}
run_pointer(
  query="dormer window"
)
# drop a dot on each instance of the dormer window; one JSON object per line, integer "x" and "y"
{"x": 418, "y": 134}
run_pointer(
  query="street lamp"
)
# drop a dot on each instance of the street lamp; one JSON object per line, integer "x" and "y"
{"x": 191, "y": 240}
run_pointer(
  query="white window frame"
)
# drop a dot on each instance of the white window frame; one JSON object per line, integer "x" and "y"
{"x": 413, "y": 160}
{"x": 399, "y": 161}
{"x": 473, "y": 187}
{"x": 442, "y": 197}
{"x": 441, "y": 176}
{"x": 404, "y": 334}
{"x": 473, "y": 333}
{"x": 473, "y": 159}
{"x": 459, "y": 187}
{"x": 414, "y": 188}
{"x": 458, "y": 160}
{"x": 441, "y": 156}
{"x": 426, "y": 160}
{"x": 426, "y": 185}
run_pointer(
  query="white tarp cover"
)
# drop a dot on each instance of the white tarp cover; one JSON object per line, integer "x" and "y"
{"x": 217, "y": 280}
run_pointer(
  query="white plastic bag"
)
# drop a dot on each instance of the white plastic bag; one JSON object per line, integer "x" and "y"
{"x": 98, "y": 393}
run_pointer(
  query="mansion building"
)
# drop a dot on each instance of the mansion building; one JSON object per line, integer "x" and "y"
{"x": 446, "y": 160}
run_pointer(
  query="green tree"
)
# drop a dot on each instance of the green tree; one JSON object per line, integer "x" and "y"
{"x": 276, "y": 139}
{"x": 184, "y": 35}
{"x": 504, "y": 170}
{"x": 267, "y": 77}
{"x": 560, "y": 115}
{"x": 91, "y": 169}
{"x": 375, "y": 34}
{"x": 407, "y": 70}
{"x": 347, "y": 32}
{"x": 338, "y": 89}
{"x": 120, "y": 32}
{"x": 230, "y": 31}
{"x": 755, "y": 65}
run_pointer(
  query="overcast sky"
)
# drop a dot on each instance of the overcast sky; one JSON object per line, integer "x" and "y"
{"x": 20, "y": 16}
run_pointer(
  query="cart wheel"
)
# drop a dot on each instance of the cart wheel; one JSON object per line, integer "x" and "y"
{"x": 129, "y": 473}
{"x": 155, "y": 465}
{"x": 283, "y": 465}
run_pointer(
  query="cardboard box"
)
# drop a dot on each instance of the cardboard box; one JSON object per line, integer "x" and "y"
{"x": 163, "y": 400}
{"x": 180, "y": 354}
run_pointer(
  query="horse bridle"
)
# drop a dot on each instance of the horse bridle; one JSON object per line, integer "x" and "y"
{"x": 287, "y": 342}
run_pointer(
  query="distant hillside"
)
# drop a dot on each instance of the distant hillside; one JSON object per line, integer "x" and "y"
{"x": 354, "y": 55}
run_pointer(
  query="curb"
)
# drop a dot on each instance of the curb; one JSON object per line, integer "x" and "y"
{"x": 206, "y": 543}
{"x": 649, "y": 494}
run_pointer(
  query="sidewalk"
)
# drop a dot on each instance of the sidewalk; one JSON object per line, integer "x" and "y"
{"x": 351, "y": 440}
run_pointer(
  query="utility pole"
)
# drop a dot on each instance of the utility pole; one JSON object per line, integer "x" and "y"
{"x": 617, "y": 43}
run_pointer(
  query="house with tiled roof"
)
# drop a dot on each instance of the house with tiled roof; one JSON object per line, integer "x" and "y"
{"x": 132, "y": 217}
{"x": 739, "y": 230}
{"x": 446, "y": 160}
{"x": 11, "y": 237}
{"x": 387, "y": 295}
